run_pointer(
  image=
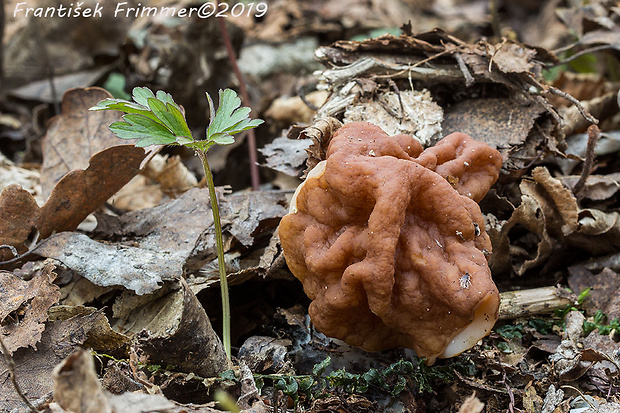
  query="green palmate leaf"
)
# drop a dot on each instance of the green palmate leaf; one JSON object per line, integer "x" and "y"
{"x": 151, "y": 119}
{"x": 142, "y": 94}
{"x": 124, "y": 106}
{"x": 229, "y": 119}
{"x": 127, "y": 130}
{"x": 169, "y": 119}
{"x": 166, "y": 98}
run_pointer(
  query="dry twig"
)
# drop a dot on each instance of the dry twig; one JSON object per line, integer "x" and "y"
{"x": 571, "y": 99}
{"x": 594, "y": 134}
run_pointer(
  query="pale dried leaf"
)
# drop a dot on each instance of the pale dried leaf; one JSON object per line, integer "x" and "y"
{"x": 286, "y": 155}
{"x": 139, "y": 269}
{"x": 409, "y": 112}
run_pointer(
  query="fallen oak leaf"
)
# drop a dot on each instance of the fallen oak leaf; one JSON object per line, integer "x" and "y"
{"x": 75, "y": 196}
{"x": 84, "y": 165}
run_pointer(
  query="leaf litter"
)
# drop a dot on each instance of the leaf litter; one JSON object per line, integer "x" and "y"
{"x": 133, "y": 264}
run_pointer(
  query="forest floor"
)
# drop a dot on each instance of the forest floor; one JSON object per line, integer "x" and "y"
{"x": 108, "y": 273}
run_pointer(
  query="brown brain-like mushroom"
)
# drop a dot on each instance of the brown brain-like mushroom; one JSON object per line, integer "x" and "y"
{"x": 389, "y": 242}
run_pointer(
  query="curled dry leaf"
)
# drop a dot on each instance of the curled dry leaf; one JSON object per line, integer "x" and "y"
{"x": 549, "y": 210}
{"x": 76, "y": 386}
{"x": 320, "y": 133}
{"x": 24, "y": 306}
{"x": 175, "y": 330}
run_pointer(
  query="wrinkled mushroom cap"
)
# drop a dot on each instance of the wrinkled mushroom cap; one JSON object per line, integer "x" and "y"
{"x": 389, "y": 242}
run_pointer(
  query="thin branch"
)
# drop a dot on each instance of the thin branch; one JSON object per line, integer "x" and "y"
{"x": 571, "y": 99}
{"x": 581, "y": 53}
{"x": 254, "y": 173}
{"x": 594, "y": 134}
{"x": 11, "y": 366}
{"x": 469, "y": 79}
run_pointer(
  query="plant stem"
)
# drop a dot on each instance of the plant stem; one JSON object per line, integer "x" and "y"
{"x": 220, "y": 252}
{"x": 245, "y": 98}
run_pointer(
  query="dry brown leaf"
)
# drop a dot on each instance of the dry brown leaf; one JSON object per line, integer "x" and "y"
{"x": 34, "y": 367}
{"x": 597, "y": 187}
{"x": 101, "y": 337}
{"x": 599, "y": 231}
{"x": 75, "y": 139}
{"x": 18, "y": 211}
{"x": 513, "y": 58}
{"x": 24, "y": 305}
{"x": 549, "y": 211}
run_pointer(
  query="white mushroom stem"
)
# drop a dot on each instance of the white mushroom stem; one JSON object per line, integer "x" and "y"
{"x": 315, "y": 172}
{"x": 484, "y": 320}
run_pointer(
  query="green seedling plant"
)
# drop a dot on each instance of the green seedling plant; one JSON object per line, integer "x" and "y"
{"x": 156, "y": 119}
{"x": 601, "y": 322}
